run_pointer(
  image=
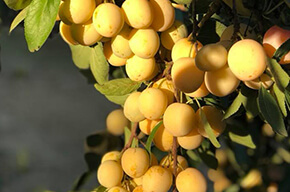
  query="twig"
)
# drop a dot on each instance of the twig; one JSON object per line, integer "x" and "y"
{"x": 174, "y": 154}
{"x": 132, "y": 136}
{"x": 236, "y": 22}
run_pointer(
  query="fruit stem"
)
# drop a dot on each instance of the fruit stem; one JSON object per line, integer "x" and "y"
{"x": 273, "y": 9}
{"x": 174, "y": 154}
{"x": 236, "y": 22}
{"x": 132, "y": 136}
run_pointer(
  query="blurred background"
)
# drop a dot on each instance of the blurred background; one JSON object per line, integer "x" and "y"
{"x": 47, "y": 110}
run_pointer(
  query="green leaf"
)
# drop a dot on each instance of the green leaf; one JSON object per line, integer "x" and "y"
{"x": 87, "y": 73}
{"x": 192, "y": 155}
{"x": 250, "y": 102}
{"x": 17, "y": 4}
{"x": 240, "y": 135}
{"x": 282, "y": 50}
{"x": 208, "y": 158}
{"x": 39, "y": 22}
{"x": 183, "y": 1}
{"x": 208, "y": 129}
{"x": 117, "y": 99}
{"x": 271, "y": 112}
{"x": 100, "y": 189}
{"x": 280, "y": 97}
{"x": 99, "y": 65}
{"x": 151, "y": 136}
{"x": 235, "y": 106}
{"x": 81, "y": 181}
{"x": 287, "y": 98}
{"x": 280, "y": 76}
{"x": 127, "y": 133}
{"x": 81, "y": 55}
{"x": 207, "y": 33}
{"x": 93, "y": 161}
{"x": 18, "y": 19}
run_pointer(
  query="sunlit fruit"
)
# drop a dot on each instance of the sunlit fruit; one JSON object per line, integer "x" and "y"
{"x": 185, "y": 75}
{"x": 147, "y": 125}
{"x": 131, "y": 108}
{"x": 163, "y": 140}
{"x": 214, "y": 118}
{"x": 247, "y": 59}
{"x": 65, "y": 33}
{"x": 117, "y": 189}
{"x": 173, "y": 34}
{"x": 111, "y": 57}
{"x": 157, "y": 179}
{"x": 168, "y": 162}
{"x": 167, "y": 87}
{"x": 190, "y": 141}
{"x": 116, "y": 122}
{"x": 140, "y": 69}
{"x": 110, "y": 174}
{"x": 144, "y": 42}
{"x": 267, "y": 130}
{"x": 111, "y": 155}
{"x": 246, "y": 31}
{"x": 108, "y": 19}
{"x": 221, "y": 82}
{"x": 273, "y": 39}
{"x": 252, "y": 179}
{"x": 120, "y": 43}
{"x": 191, "y": 180}
{"x": 61, "y": 14}
{"x": 264, "y": 80}
{"x": 152, "y": 103}
{"x": 135, "y": 162}
{"x": 200, "y": 92}
{"x": 221, "y": 156}
{"x": 78, "y": 11}
{"x": 184, "y": 48}
{"x": 179, "y": 119}
{"x": 164, "y": 14}
{"x": 85, "y": 34}
{"x": 211, "y": 57}
{"x": 138, "y": 14}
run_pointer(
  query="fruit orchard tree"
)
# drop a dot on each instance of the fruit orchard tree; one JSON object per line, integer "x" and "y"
{"x": 203, "y": 88}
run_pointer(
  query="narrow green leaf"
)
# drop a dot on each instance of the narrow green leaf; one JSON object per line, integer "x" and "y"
{"x": 100, "y": 189}
{"x": 208, "y": 129}
{"x": 18, "y": 19}
{"x": 192, "y": 155}
{"x": 280, "y": 76}
{"x": 208, "y": 158}
{"x": 81, "y": 181}
{"x": 183, "y": 1}
{"x": 282, "y": 50}
{"x": 135, "y": 143}
{"x": 240, "y": 135}
{"x": 127, "y": 134}
{"x": 235, "y": 106}
{"x": 280, "y": 97}
{"x": 39, "y": 22}
{"x": 17, "y": 4}
{"x": 271, "y": 112}
{"x": 250, "y": 102}
{"x": 151, "y": 136}
{"x": 99, "y": 65}
{"x": 81, "y": 55}
{"x": 287, "y": 98}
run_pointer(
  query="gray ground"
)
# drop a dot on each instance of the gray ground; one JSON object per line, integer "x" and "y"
{"x": 46, "y": 111}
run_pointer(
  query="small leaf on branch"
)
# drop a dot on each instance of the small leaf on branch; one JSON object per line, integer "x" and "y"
{"x": 17, "y": 4}
{"x": 39, "y": 22}
{"x": 81, "y": 55}
{"x": 280, "y": 97}
{"x": 282, "y": 50}
{"x": 240, "y": 135}
{"x": 271, "y": 112}
{"x": 18, "y": 19}
{"x": 280, "y": 76}
{"x": 99, "y": 65}
{"x": 235, "y": 106}
{"x": 151, "y": 136}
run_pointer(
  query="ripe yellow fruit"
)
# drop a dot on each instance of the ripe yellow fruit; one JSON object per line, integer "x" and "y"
{"x": 135, "y": 162}
{"x": 163, "y": 140}
{"x": 110, "y": 174}
{"x": 164, "y": 14}
{"x": 221, "y": 82}
{"x": 152, "y": 103}
{"x": 61, "y": 14}
{"x": 167, "y": 87}
{"x": 147, "y": 125}
{"x": 226, "y": 43}
{"x": 138, "y": 180}
{"x": 144, "y": 42}
{"x": 214, "y": 118}
{"x": 221, "y": 156}
{"x": 267, "y": 130}
{"x": 65, "y": 33}
{"x": 85, "y": 34}
{"x": 191, "y": 180}
{"x": 247, "y": 59}
{"x": 185, "y": 75}
{"x": 157, "y": 179}
{"x": 111, "y": 155}
{"x": 139, "y": 69}
{"x": 116, "y": 122}
{"x": 211, "y": 57}
{"x": 176, "y": 32}
{"x": 200, "y": 92}
{"x": 120, "y": 43}
{"x": 131, "y": 109}
{"x": 78, "y": 11}
{"x": 138, "y": 14}
{"x": 184, "y": 48}
{"x": 252, "y": 179}
{"x": 138, "y": 189}
{"x": 264, "y": 80}
{"x": 168, "y": 162}
{"x": 190, "y": 141}
{"x": 111, "y": 57}
{"x": 179, "y": 119}
{"x": 229, "y": 31}
{"x": 108, "y": 19}
{"x": 117, "y": 189}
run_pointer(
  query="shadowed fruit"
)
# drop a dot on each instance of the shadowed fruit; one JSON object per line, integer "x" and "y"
{"x": 116, "y": 122}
